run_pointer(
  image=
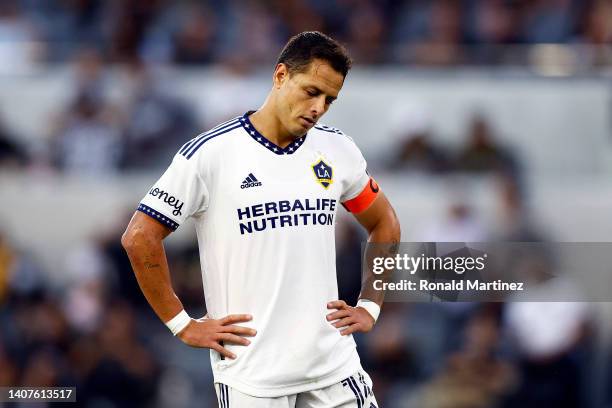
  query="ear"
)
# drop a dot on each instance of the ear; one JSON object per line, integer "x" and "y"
{"x": 281, "y": 74}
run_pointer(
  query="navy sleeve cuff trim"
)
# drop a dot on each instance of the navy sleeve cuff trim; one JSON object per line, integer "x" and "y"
{"x": 158, "y": 216}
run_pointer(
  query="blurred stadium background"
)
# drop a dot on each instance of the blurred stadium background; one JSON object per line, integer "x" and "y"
{"x": 481, "y": 119}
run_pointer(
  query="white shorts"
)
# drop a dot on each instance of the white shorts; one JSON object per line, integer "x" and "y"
{"x": 352, "y": 392}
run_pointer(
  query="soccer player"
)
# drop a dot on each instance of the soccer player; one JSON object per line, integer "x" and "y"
{"x": 264, "y": 189}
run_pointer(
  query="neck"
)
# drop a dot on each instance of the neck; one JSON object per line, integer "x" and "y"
{"x": 268, "y": 124}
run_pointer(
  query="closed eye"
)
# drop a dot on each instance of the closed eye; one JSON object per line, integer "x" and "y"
{"x": 315, "y": 92}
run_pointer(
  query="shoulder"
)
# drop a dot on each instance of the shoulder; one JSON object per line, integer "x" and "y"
{"x": 335, "y": 137}
{"x": 206, "y": 140}
{"x": 322, "y": 127}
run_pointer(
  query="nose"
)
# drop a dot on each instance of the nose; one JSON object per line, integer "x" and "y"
{"x": 318, "y": 107}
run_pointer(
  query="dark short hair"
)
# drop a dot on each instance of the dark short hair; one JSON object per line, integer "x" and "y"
{"x": 301, "y": 49}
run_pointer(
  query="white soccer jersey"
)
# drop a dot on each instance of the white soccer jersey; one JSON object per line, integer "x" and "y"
{"x": 265, "y": 221}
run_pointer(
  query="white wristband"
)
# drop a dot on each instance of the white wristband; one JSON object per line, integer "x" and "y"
{"x": 178, "y": 322}
{"x": 372, "y": 307}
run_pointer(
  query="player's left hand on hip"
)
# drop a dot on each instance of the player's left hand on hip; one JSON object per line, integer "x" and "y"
{"x": 349, "y": 319}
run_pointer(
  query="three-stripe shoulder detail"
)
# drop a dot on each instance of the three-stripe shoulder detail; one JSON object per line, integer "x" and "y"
{"x": 191, "y": 147}
{"x": 331, "y": 129}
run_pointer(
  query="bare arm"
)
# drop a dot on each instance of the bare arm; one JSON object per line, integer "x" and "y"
{"x": 142, "y": 241}
{"x": 383, "y": 227}
{"x": 380, "y": 221}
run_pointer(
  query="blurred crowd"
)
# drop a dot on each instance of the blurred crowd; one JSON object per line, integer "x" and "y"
{"x": 140, "y": 127}
{"x": 97, "y": 134}
{"x": 243, "y": 32}
{"x": 88, "y": 325}
{"x": 93, "y": 328}
{"x": 133, "y": 121}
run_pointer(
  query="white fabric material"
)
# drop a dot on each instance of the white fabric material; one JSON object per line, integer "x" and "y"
{"x": 265, "y": 226}
{"x": 178, "y": 322}
{"x": 372, "y": 307}
{"x": 354, "y": 391}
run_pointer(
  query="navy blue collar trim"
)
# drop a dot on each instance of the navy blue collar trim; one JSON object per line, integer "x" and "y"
{"x": 262, "y": 140}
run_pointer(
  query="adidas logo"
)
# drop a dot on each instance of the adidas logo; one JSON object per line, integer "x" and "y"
{"x": 250, "y": 181}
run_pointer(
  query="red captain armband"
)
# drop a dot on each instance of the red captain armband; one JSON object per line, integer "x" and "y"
{"x": 364, "y": 199}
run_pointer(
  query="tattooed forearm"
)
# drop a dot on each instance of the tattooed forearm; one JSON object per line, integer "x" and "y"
{"x": 150, "y": 265}
{"x": 143, "y": 242}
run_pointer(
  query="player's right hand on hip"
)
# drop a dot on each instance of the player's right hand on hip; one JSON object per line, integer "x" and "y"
{"x": 211, "y": 333}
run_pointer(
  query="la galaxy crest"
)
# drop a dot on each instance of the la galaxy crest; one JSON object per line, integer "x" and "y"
{"x": 324, "y": 173}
